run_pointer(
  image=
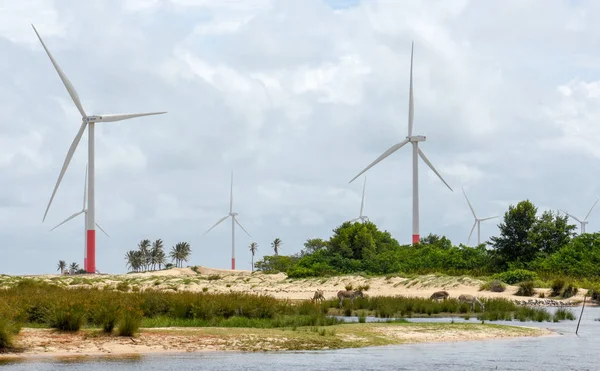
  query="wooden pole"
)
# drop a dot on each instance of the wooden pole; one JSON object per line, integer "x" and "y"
{"x": 581, "y": 315}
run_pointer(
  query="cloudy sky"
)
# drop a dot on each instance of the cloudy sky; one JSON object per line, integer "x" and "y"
{"x": 296, "y": 97}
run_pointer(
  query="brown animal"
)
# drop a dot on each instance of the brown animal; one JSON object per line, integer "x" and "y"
{"x": 317, "y": 296}
{"x": 439, "y": 295}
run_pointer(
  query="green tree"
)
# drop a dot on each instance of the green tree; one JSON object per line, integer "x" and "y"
{"x": 253, "y": 249}
{"x": 313, "y": 245}
{"x": 144, "y": 248}
{"x": 62, "y": 265}
{"x": 434, "y": 239}
{"x": 276, "y": 245}
{"x": 180, "y": 253}
{"x": 551, "y": 232}
{"x": 157, "y": 254}
{"x": 74, "y": 267}
{"x": 514, "y": 245}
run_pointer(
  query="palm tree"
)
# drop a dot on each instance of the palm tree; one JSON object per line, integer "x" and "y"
{"x": 253, "y": 249}
{"x": 74, "y": 267}
{"x": 156, "y": 253}
{"x": 180, "y": 253}
{"x": 144, "y": 247}
{"x": 276, "y": 244}
{"x": 62, "y": 265}
{"x": 134, "y": 260}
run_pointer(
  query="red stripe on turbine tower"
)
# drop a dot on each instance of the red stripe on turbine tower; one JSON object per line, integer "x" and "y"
{"x": 91, "y": 251}
{"x": 233, "y": 263}
{"x": 416, "y": 239}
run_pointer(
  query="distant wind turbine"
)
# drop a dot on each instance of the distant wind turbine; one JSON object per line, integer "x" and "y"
{"x": 89, "y": 262}
{"x": 414, "y": 140}
{"x": 477, "y": 221}
{"x": 583, "y": 222}
{"x": 83, "y": 211}
{"x": 362, "y": 217}
{"x": 233, "y": 222}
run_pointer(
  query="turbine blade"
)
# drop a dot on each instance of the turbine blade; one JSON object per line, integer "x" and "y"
{"x": 385, "y": 154}
{"x": 469, "y": 202}
{"x": 432, "y": 168}
{"x": 231, "y": 194}
{"x": 98, "y": 225}
{"x": 572, "y": 216}
{"x": 488, "y": 218}
{"x": 238, "y": 223}
{"x": 124, "y": 116}
{"x": 85, "y": 187}
{"x": 411, "y": 104}
{"x": 66, "y": 164}
{"x": 362, "y": 203}
{"x": 217, "y": 223}
{"x": 63, "y": 77}
{"x": 588, "y": 214}
{"x": 470, "y": 234}
{"x": 66, "y": 220}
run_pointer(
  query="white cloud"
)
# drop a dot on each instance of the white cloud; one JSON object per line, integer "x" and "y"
{"x": 296, "y": 98}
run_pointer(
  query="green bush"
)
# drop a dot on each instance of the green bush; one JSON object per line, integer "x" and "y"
{"x": 525, "y": 289}
{"x": 67, "y": 316}
{"x": 130, "y": 322}
{"x": 594, "y": 293}
{"x": 8, "y": 329}
{"x": 569, "y": 290}
{"x": 514, "y": 276}
{"x": 493, "y": 286}
{"x": 557, "y": 286}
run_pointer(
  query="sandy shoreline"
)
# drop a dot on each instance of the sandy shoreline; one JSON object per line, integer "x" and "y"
{"x": 40, "y": 343}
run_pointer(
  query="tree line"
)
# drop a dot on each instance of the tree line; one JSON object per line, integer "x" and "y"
{"x": 150, "y": 256}
{"x": 544, "y": 243}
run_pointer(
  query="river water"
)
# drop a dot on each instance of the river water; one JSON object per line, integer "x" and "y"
{"x": 563, "y": 351}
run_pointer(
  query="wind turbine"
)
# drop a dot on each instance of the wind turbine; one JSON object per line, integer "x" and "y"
{"x": 86, "y": 122}
{"x": 362, "y": 217}
{"x": 83, "y": 211}
{"x": 234, "y": 221}
{"x": 414, "y": 140}
{"x": 583, "y": 222}
{"x": 477, "y": 221}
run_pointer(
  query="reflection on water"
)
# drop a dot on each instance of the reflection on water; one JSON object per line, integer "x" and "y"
{"x": 564, "y": 351}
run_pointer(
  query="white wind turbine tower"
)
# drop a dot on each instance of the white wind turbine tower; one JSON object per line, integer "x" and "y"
{"x": 477, "y": 221}
{"x": 362, "y": 217}
{"x": 86, "y": 122}
{"x": 233, "y": 223}
{"x": 414, "y": 140}
{"x": 83, "y": 211}
{"x": 583, "y": 222}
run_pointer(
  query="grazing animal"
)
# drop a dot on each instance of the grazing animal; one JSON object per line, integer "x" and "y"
{"x": 349, "y": 295}
{"x": 318, "y": 296}
{"x": 439, "y": 295}
{"x": 470, "y": 299}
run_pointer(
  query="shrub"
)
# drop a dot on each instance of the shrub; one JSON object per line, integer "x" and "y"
{"x": 557, "y": 286}
{"x": 67, "y": 316}
{"x": 8, "y": 329}
{"x": 130, "y": 322}
{"x": 569, "y": 291}
{"x": 362, "y": 318}
{"x": 494, "y": 286}
{"x": 364, "y": 287}
{"x": 542, "y": 295}
{"x": 214, "y": 277}
{"x": 594, "y": 293}
{"x": 525, "y": 289}
{"x": 348, "y": 287}
{"x": 562, "y": 314}
{"x": 514, "y": 276}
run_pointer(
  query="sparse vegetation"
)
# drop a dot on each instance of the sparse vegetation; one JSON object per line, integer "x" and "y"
{"x": 525, "y": 289}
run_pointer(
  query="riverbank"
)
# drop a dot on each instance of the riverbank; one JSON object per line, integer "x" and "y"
{"x": 51, "y": 343}
{"x": 203, "y": 279}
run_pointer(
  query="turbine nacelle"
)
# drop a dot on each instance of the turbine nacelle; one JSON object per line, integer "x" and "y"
{"x": 233, "y": 214}
{"x": 416, "y": 138}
